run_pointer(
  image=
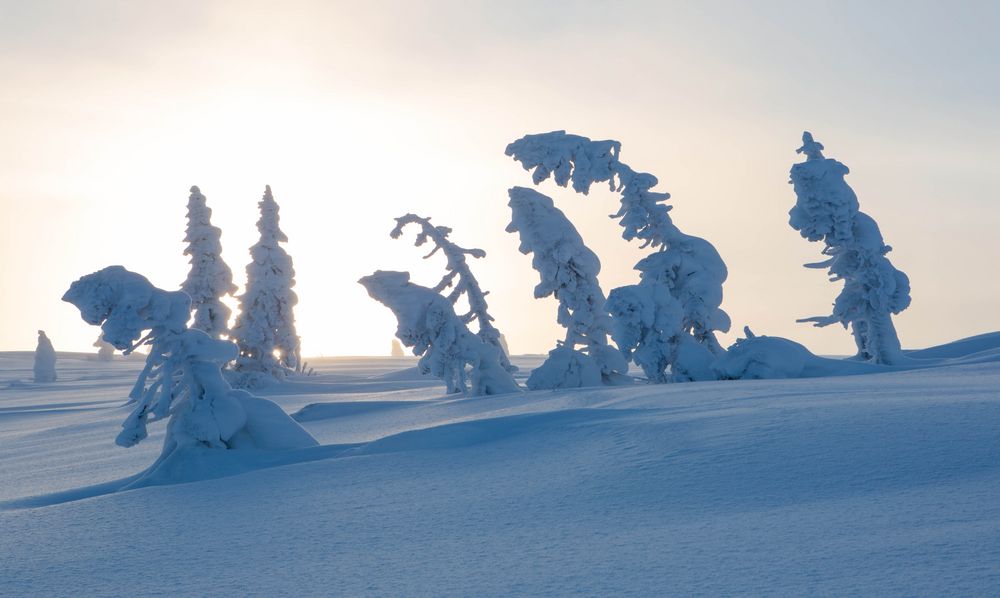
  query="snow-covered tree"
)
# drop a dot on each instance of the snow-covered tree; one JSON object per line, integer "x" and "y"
{"x": 826, "y": 209}
{"x": 397, "y": 349}
{"x": 209, "y": 279}
{"x": 447, "y": 348}
{"x": 457, "y": 268}
{"x": 568, "y": 270}
{"x": 265, "y": 327}
{"x": 182, "y": 377}
{"x": 688, "y": 268}
{"x": 105, "y": 350}
{"x": 45, "y": 359}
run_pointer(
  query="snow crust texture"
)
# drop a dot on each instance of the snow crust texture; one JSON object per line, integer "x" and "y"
{"x": 827, "y": 210}
{"x": 209, "y": 279}
{"x": 568, "y": 270}
{"x": 686, "y": 269}
{"x": 447, "y": 348}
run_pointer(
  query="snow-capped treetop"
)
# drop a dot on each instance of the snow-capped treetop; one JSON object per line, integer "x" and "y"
{"x": 266, "y": 321}
{"x": 457, "y": 267}
{"x": 210, "y": 278}
{"x": 125, "y": 304}
{"x": 826, "y": 209}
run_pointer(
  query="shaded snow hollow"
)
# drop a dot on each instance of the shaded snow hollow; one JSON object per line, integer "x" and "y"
{"x": 880, "y": 484}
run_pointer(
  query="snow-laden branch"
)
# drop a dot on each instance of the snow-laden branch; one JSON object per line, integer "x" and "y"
{"x": 568, "y": 270}
{"x": 827, "y": 209}
{"x": 457, "y": 267}
{"x": 427, "y": 323}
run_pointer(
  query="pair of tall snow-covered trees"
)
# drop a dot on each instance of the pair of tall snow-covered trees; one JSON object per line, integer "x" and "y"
{"x": 265, "y": 327}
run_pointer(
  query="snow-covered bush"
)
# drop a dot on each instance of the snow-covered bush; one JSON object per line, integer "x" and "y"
{"x": 397, "y": 349}
{"x": 265, "y": 327}
{"x": 209, "y": 279}
{"x": 688, "y": 267}
{"x": 466, "y": 283}
{"x": 45, "y": 359}
{"x": 568, "y": 270}
{"x": 762, "y": 357}
{"x": 182, "y": 377}
{"x": 826, "y": 209}
{"x": 446, "y": 347}
{"x": 105, "y": 350}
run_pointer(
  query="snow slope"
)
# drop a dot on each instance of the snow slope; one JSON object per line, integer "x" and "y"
{"x": 878, "y": 484}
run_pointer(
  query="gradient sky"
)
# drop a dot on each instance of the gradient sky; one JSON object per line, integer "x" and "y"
{"x": 357, "y": 112}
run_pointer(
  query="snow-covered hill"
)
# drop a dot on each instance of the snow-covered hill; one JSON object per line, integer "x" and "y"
{"x": 882, "y": 484}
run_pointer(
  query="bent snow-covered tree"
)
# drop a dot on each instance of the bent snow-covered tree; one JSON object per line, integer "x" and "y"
{"x": 45, "y": 359}
{"x": 568, "y": 270}
{"x": 445, "y": 345}
{"x": 182, "y": 377}
{"x": 685, "y": 273}
{"x": 209, "y": 279}
{"x": 265, "y": 328}
{"x": 826, "y": 209}
{"x": 466, "y": 283}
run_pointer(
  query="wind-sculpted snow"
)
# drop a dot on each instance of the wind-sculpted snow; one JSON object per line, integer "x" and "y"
{"x": 689, "y": 268}
{"x": 826, "y": 209}
{"x": 466, "y": 284}
{"x": 182, "y": 378}
{"x": 209, "y": 279}
{"x": 428, "y": 324}
{"x": 266, "y": 323}
{"x": 568, "y": 270}
{"x": 45, "y": 359}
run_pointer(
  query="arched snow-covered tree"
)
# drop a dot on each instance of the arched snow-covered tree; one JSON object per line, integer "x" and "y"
{"x": 466, "y": 283}
{"x": 45, "y": 359}
{"x": 182, "y": 378}
{"x": 568, "y": 270}
{"x": 105, "y": 350}
{"x": 209, "y": 279}
{"x": 826, "y": 209}
{"x": 686, "y": 268}
{"x": 265, "y": 328}
{"x": 446, "y": 347}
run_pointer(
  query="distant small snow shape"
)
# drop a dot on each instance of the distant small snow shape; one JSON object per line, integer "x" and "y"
{"x": 568, "y": 270}
{"x": 45, "y": 359}
{"x": 428, "y": 324}
{"x": 827, "y": 209}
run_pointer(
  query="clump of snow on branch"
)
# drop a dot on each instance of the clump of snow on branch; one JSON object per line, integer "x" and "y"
{"x": 688, "y": 268}
{"x": 182, "y": 377}
{"x": 447, "y": 348}
{"x": 209, "y": 279}
{"x": 45, "y": 359}
{"x": 265, "y": 328}
{"x": 568, "y": 270}
{"x": 826, "y": 209}
{"x": 105, "y": 350}
{"x": 458, "y": 276}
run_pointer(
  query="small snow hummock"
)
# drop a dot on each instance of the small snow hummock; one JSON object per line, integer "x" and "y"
{"x": 209, "y": 279}
{"x": 568, "y": 269}
{"x": 182, "y": 377}
{"x": 45, "y": 359}
{"x": 446, "y": 347}
{"x": 466, "y": 282}
{"x": 265, "y": 328}
{"x": 688, "y": 268}
{"x": 826, "y": 209}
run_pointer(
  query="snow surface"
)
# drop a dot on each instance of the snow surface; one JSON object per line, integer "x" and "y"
{"x": 880, "y": 484}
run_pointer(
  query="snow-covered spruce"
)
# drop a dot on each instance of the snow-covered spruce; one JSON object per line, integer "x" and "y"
{"x": 265, "y": 328}
{"x": 568, "y": 270}
{"x": 182, "y": 377}
{"x": 688, "y": 268}
{"x": 445, "y": 345}
{"x": 397, "y": 349}
{"x": 105, "y": 350}
{"x": 209, "y": 279}
{"x": 457, "y": 268}
{"x": 45, "y": 359}
{"x": 826, "y": 209}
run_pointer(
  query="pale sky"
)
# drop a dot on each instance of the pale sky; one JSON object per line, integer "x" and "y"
{"x": 357, "y": 112}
